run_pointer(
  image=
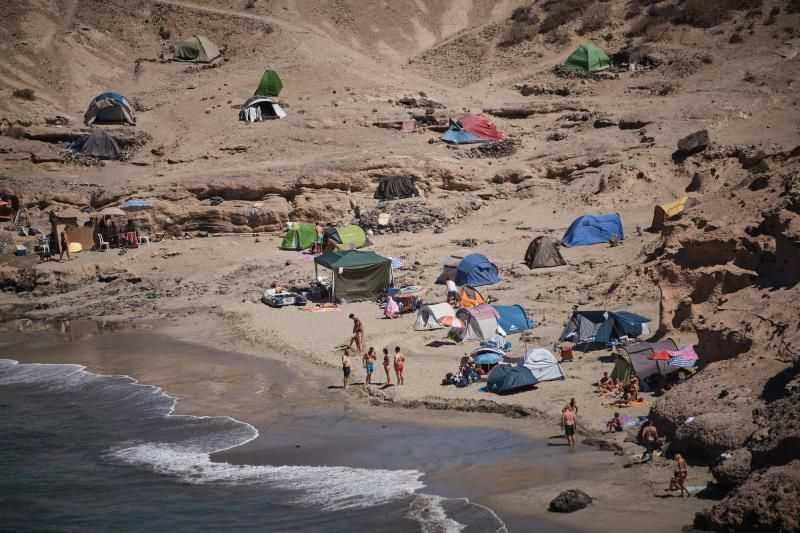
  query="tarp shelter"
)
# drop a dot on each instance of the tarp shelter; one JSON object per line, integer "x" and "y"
{"x": 260, "y": 108}
{"x": 393, "y": 187}
{"x": 487, "y": 356}
{"x": 270, "y": 84}
{"x": 472, "y": 129}
{"x": 634, "y": 358}
{"x": 476, "y": 323}
{"x": 603, "y": 326}
{"x": 99, "y": 144}
{"x": 593, "y": 229}
{"x": 542, "y": 253}
{"x": 299, "y": 237}
{"x": 110, "y": 108}
{"x": 451, "y": 265}
{"x": 435, "y": 316}
{"x": 136, "y": 204}
{"x": 345, "y": 238}
{"x": 543, "y": 364}
{"x": 512, "y": 319}
{"x": 196, "y": 49}
{"x": 670, "y": 211}
{"x": 505, "y": 378}
{"x": 79, "y": 225}
{"x": 470, "y": 297}
{"x": 356, "y": 275}
{"x": 589, "y": 58}
{"x": 476, "y": 270}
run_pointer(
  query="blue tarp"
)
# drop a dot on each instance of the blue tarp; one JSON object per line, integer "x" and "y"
{"x": 512, "y": 319}
{"x": 504, "y": 379}
{"x": 593, "y": 229}
{"x": 135, "y": 204}
{"x": 457, "y": 135}
{"x": 487, "y": 358}
{"x": 476, "y": 270}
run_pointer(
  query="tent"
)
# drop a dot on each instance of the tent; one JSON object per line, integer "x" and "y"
{"x": 476, "y": 323}
{"x": 451, "y": 265}
{"x": 593, "y": 229}
{"x": 356, "y": 275}
{"x": 505, "y": 378}
{"x": 393, "y": 187}
{"x": 470, "y": 297}
{"x": 512, "y": 319}
{"x": 136, "y": 204}
{"x": 435, "y": 316}
{"x": 270, "y": 84}
{"x": 588, "y": 57}
{"x": 670, "y": 211}
{"x": 472, "y": 129}
{"x": 603, "y": 326}
{"x": 260, "y": 108}
{"x": 542, "y": 253}
{"x": 299, "y": 237}
{"x": 634, "y": 358}
{"x": 99, "y": 144}
{"x": 110, "y": 108}
{"x": 345, "y": 237}
{"x": 476, "y": 270}
{"x": 542, "y": 363}
{"x": 487, "y": 356}
{"x": 196, "y": 49}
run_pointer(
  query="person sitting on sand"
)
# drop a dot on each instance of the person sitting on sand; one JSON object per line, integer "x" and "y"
{"x": 678, "y": 480}
{"x": 467, "y": 366}
{"x": 605, "y": 383}
{"x": 399, "y": 364}
{"x": 346, "y": 367}
{"x": 616, "y": 387}
{"x": 386, "y": 364}
{"x": 358, "y": 333}
{"x": 615, "y": 424}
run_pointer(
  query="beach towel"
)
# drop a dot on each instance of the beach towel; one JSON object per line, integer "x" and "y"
{"x": 392, "y": 309}
{"x": 324, "y": 308}
{"x": 409, "y": 126}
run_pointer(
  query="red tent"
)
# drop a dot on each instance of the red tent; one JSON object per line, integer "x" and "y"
{"x": 661, "y": 355}
{"x": 480, "y": 126}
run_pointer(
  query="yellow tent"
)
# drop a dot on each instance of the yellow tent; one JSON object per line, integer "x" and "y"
{"x": 670, "y": 210}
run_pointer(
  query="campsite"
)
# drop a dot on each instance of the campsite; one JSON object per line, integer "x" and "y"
{"x": 614, "y": 193}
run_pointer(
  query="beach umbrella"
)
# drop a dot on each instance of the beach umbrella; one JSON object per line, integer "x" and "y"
{"x": 112, "y": 212}
{"x": 136, "y": 204}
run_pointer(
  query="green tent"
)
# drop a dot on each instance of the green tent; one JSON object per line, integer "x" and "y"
{"x": 356, "y": 275}
{"x": 623, "y": 368}
{"x": 270, "y": 84}
{"x": 300, "y": 237}
{"x": 588, "y": 57}
{"x": 196, "y": 49}
{"x": 345, "y": 238}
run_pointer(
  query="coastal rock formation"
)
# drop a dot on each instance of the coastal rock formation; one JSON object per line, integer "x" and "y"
{"x": 570, "y": 501}
{"x": 735, "y": 470}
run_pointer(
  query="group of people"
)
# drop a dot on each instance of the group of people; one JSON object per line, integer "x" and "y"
{"x": 627, "y": 394}
{"x": 368, "y": 358}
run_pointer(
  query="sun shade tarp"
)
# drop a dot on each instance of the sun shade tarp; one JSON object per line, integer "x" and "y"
{"x": 357, "y": 275}
{"x": 593, "y": 229}
{"x": 196, "y": 49}
{"x": 472, "y": 129}
{"x": 504, "y": 379}
{"x": 270, "y": 84}
{"x": 512, "y": 319}
{"x": 393, "y": 187}
{"x": 543, "y": 364}
{"x": 476, "y": 270}
{"x": 299, "y": 237}
{"x": 589, "y": 58}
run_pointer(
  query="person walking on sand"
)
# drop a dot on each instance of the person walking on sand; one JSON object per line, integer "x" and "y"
{"x": 399, "y": 364}
{"x": 678, "y": 480}
{"x": 568, "y": 422}
{"x": 358, "y": 333}
{"x": 386, "y": 364}
{"x": 369, "y": 364}
{"x": 64, "y": 242}
{"x": 346, "y": 367}
{"x": 650, "y": 438}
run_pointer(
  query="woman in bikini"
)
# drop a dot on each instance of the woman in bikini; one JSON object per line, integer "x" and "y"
{"x": 386, "y": 365}
{"x": 399, "y": 364}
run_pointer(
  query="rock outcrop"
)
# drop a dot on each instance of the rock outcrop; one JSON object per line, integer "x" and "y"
{"x": 570, "y": 501}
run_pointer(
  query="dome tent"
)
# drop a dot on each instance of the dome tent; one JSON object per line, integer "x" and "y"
{"x": 589, "y": 58}
{"x": 542, "y": 363}
{"x": 270, "y": 84}
{"x": 259, "y": 108}
{"x": 110, "y": 108}
{"x": 593, "y": 229}
{"x": 196, "y": 49}
{"x": 504, "y": 379}
{"x": 476, "y": 270}
{"x": 542, "y": 253}
{"x": 299, "y": 237}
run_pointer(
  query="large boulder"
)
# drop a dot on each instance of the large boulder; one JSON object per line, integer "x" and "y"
{"x": 569, "y": 501}
{"x": 735, "y": 470}
{"x": 713, "y": 433}
{"x": 694, "y": 142}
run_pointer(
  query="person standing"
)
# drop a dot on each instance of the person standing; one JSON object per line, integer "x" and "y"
{"x": 358, "y": 333}
{"x": 650, "y": 438}
{"x": 452, "y": 291}
{"x": 346, "y": 367}
{"x": 64, "y": 244}
{"x": 386, "y": 364}
{"x": 369, "y": 364}
{"x": 574, "y": 406}
{"x": 399, "y": 364}
{"x": 317, "y": 248}
{"x": 678, "y": 480}
{"x": 568, "y": 422}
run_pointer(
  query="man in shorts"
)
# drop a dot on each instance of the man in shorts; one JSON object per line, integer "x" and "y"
{"x": 650, "y": 439}
{"x": 346, "y": 367}
{"x": 568, "y": 422}
{"x": 369, "y": 364}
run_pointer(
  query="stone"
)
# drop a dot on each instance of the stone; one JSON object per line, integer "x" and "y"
{"x": 570, "y": 501}
{"x": 735, "y": 470}
{"x": 694, "y": 142}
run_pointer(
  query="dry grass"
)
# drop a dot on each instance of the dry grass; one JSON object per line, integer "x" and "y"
{"x": 595, "y": 17}
{"x": 562, "y": 12}
{"x": 24, "y": 94}
{"x": 517, "y": 33}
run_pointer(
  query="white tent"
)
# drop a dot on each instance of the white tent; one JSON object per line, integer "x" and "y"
{"x": 431, "y": 316}
{"x": 451, "y": 265}
{"x": 543, "y": 364}
{"x": 477, "y": 323}
{"x": 258, "y": 108}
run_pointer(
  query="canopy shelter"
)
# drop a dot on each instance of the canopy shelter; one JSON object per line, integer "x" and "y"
{"x": 474, "y": 323}
{"x": 472, "y": 129}
{"x": 112, "y": 212}
{"x": 196, "y": 49}
{"x": 345, "y": 238}
{"x": 504, "y": 379}
{"x": 543, "y": 253}
{"x": 259, "y": 109}
{"x": 670, "y": 211}
{"x": 451, "y": 265}
{"x": 110, "y": 108}
{"x": 512, "y": 319}
{"x": 434, "y": 316}
{"x": 270, "y": 84}
{"x": 543, "y": 364}
{"x": 136, "y": 204}
{"x": 469, "y": 296}
{"x": 635, "y": 358}
{"x": 589, "y": 58}
{"x": 79, "y": 226}
{"x": 603, "y": 326}
{"x": 394, "y": 187}
{"x": 476, "y": 270}
{"x": 487, "y": 356}
{"x": 355, "y": 275}
{"x": 99, "y": 144}
{"x": 593, "y": 229}
{"x": 299, "y": 237}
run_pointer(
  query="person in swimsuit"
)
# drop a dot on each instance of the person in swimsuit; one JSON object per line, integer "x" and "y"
{"x": 386, "y": 364}
{"x": 369, "y": 364}
{"x": 317, "y": 248}
{"x": 604, "y": 385}
{"x": 568, "y": 422}
{"x": 650, "y": 438}
{"x": 346, "y": 367}
{"x": 64, "y": 242}
{"x": 358, "y": 333}
{"x": 678, "y": 480}
{"x": 399, "y": 364}
{"x": 615, "y": 424}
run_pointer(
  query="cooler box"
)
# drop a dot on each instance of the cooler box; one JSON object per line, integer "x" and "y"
{"x": 19, "y": 249}
{"x": 75, "y": 247}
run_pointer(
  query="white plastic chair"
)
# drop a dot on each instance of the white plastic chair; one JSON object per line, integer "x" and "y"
{"x": 103, "y": 244}
{"x": 144, "y": 239}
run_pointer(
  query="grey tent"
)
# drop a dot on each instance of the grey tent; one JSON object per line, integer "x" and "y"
{"x": 543, "y": 253}
{"x": 110, "y": 108}
{"x": 99, "y": 144}
{"x": 196, "y": 49}
{"x": 603, "y": 326}
{"x": 634, "y": 357}
{"x": 258, "y": 108}
{"x": 356, "y": 275}
{"x": 393, "y": 187}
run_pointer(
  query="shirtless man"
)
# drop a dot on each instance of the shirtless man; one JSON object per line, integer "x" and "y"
{"x": 386, "y": 363}
{"x": 399, "y": 364}
{"x": 346, "y": 367}
{"x": 317, "y": 248}
{"x": 369, "y": 364}
{"x": 650, "y": 438}
{"x": 358, "y": 333}
{"x": 678, "y": 480}
{"x": 615, "y": 424}
{"x": 604, "y": 384}
{"x": 568, "y": 421}
{"x": 64, "y": 244}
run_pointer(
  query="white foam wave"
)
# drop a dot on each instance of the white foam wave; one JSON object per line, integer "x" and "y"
{"x": 427, "y": 511}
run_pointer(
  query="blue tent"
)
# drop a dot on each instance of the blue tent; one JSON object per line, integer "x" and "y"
{"x": 602, "y": 326}
{"x": 505, "y": 378}
{"x": 593, "y": 229}
{"x": 512, "y": 319}
{"x": 476, "y": 270}
{"x": 457, "y": 135}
